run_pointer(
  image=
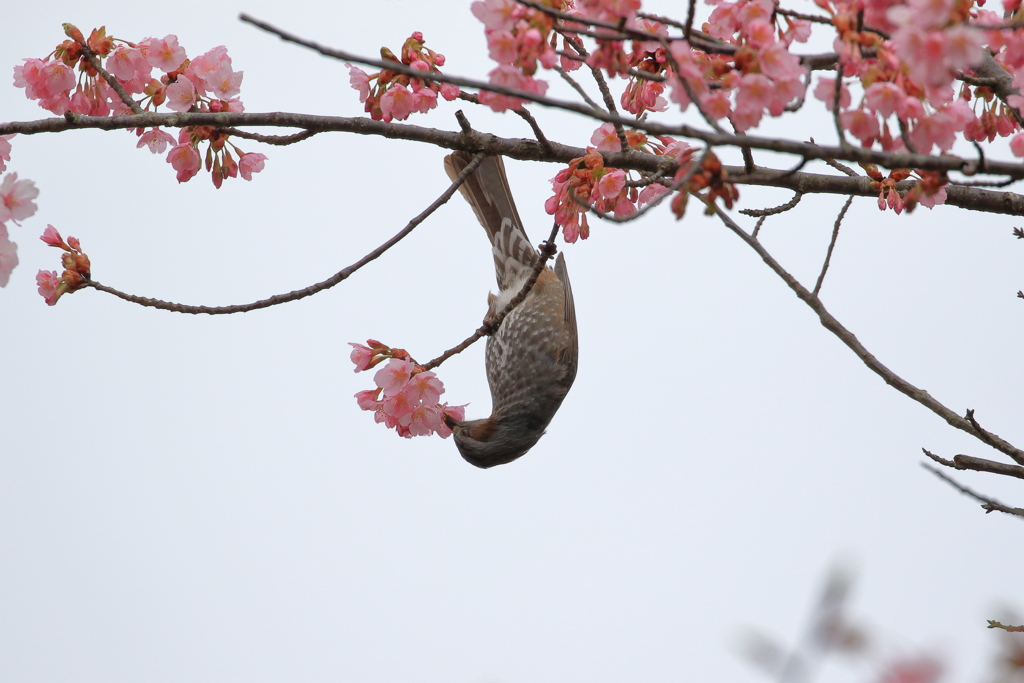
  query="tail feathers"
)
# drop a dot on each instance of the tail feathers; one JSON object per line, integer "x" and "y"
{"x": 488, "y": 193}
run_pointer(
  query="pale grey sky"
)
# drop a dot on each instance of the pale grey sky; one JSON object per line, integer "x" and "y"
{"x": 199, "y": 499}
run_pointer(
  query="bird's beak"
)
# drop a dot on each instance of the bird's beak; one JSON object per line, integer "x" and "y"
{"x": 450, "y": 421}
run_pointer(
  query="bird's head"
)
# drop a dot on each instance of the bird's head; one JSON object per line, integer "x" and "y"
{"x": 490, "y": 441}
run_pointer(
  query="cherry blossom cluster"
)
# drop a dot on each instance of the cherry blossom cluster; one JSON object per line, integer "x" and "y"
{"x": 406, "y": 397}
{"x": 15, "y": 205}
{"x": 76, "y": 268}
{"x": 586, "y": 184}
{"x": 395, "y": 96}
{"x": 519, "y": 39}
{"x": 206, "y": 83}
{"x": 930, "y": 189}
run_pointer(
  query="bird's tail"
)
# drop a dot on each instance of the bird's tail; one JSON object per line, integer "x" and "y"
{"x": 488, "y": 193}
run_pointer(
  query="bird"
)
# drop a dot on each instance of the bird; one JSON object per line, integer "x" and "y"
{"x": 531, "y": 358}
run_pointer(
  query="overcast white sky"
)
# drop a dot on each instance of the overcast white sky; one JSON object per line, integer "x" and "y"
{"x": 199, "y": 499}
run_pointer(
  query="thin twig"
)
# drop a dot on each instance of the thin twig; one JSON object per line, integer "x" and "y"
{"x": 850, "y": 340}
{"x": 547, "y": 250}
{"x": 1012, "y": 629}
{"x": 988, "y": 504}
{"x": 757, "y": 226}
{"x": 522, "y": 112}
{"x": 691, "y": 10}
{"x": 578, "y": 88}
{"x": 280, "y": 140}
{"x": 836, "y": 95}
{"x": 775, "y": 210}
{"x": 805, "y": 17}
{"x": 312, "y": 289}
{"x": 831, "y": 245}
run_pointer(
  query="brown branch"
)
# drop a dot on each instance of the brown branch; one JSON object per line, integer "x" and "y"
{"x": 891, "y": 378}
{"x": 94, "y": 62}
{"x": 971, "y": 198}
{"x": 832, "y": 245}
{"x": 805, "y": 17}
{"x": 578, "y": 88}
{"x": 807, "y": 151}
{"x": 1012, "y": 629}
{"x": 280, "y": 140}
{"x": 312, "y": 289}
{"x": 967, "y": 462}
{"x": 489, "y": 327}
{"x": 775, "y": 210}
{"x": 988, "y": 504}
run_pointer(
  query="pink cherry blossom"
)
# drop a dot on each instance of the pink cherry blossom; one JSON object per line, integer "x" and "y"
{"x": 51, "y": 237}
{"x": 778, "y": 63}
{"x": 397, "y": 103}
{"x": 606, "y": 139}
{"x": 496, "y": 15}
{"x": 16, "y": 198}
{"x": 398, "y": 404}
{"x": 393, "y": 377}
{"x": 156, "y": 139}
{"x": 213, "y": 65}
{"x": 5, "y": 151}
{"x": 1017, "y": 145}
{"x": 825, "y": 91}
{"x": 862, "y": 125}
{"x": 423, "y": 100}
{"x": 449, "y": 91}
{"x": 127, "y": 62}
{"x": 362, "y": 356}
{"x": 506, "y": 76}
{"x": 251, "y": 162}
{"x": 367, "y": 400}
{"x": 650, "y": 193}
{"x": 185, "y": 160}
{"x": 883, "y": 98}
{"x": 163, "y": 53}
{"x": 226, "y": 85}
{"x": 47, "y": 282}
{"x": 8, "y": 256}
{"x": 457, "y": 413}
{"x": 611, "y": 184}
{"x": 359, "y": 80}
{"x": 503, "y": 46}
{"x": 55, "y": 78}
{"x": 931, "y": 201}
{"x": 425, "y": 387}
{"x": 423, "y": 420}
{"x": 181, "y": 95}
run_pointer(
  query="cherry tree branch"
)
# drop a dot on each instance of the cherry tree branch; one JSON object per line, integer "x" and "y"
{"x": 988, "y": 504}
{"x": 996, "y": 624}
{"x": 490, "y": 326}
{"x": 832, "y": 245}
{"x": 122, "y": 94}
{"x": 901, "y": 385}
{"x": 973, "y": 198}
{"x": 967, "y": 462}
{"x": 335, "y": 279}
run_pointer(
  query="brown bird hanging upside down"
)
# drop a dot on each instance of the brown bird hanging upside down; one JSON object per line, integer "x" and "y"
{"x": 531, "y": 359}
